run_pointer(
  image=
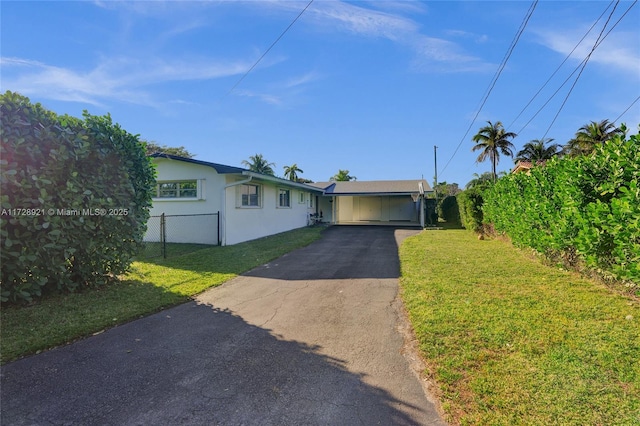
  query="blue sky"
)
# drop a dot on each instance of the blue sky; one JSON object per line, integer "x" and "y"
{"x": 366, "y": 86}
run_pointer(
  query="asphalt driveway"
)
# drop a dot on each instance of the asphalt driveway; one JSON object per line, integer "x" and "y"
{"x": 313, "y": 338}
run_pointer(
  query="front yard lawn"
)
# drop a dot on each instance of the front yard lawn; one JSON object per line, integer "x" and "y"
{"x": 151, "y": 285}
{"x": 510, "y": 341}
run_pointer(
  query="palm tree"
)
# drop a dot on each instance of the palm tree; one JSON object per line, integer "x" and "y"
{"x": 536, "y": 150}
{"x": 292, "y": 171}
{"x": 480, "y": 181}
{"x": 342, "y": 176}
{"x": 492, "y": 140}
{"x": 259, "y": 164}
{"x": 590, "y": 135}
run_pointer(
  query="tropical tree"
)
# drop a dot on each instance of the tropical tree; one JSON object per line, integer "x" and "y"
{"x": 447, "y": 189}
{"x": 537, "y": 150}
{"x": 151, "y": 147}
{"x": 342, "y": 176}
{"x": 590, "y": 135}
{"x": 492, "y": 140}
{"x": 480, "y": 181}
{"x": 291, "y": 172}
{"x": 257, "y": 163}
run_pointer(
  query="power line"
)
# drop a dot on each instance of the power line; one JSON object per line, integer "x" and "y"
{"x": 514, "y": 42}
{"x": 576, "y": 69}
{"x": 270, "y": 47}
{"x": 560, "y": 66}
{"x": 595, "y": 45}
{"x": 628, "y": 108}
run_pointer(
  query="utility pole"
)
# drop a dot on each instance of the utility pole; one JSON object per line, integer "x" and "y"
{"x": 435, "y": 181}
{"x": 435, "y": 161}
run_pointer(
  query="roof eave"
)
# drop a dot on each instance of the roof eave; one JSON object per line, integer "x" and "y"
{"x": 283, "y": 182}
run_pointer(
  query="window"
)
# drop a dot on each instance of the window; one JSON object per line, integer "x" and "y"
{"x": 284, "y": 198}
{"x": 250, "y": 195}
{"x": 302, "y": 198}
{"x": 183, "y": 189}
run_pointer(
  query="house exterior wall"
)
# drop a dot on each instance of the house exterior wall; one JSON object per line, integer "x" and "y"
{"x": 249, "y": 223}
{"x": 325, "y": 206}
{"x": 190, "y": 229}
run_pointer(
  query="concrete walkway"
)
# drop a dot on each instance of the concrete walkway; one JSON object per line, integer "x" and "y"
{"x": 310, "y": 339}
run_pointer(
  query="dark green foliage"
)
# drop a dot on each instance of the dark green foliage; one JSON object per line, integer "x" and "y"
{"x": 448, "y": 209}
{"x": 75, "y": 199}
{"x": 470, "y": 204}
{"x": 257, "y": 163}
{"x": 587, "y": 206}
{"x": 152, "y": 147}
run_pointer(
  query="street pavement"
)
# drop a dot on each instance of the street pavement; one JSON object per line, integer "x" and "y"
{"x": 316, "y": 337}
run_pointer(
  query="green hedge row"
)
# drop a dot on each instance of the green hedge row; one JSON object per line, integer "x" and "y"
{"x": 75, "y": 198}
{"x": 470, "y": 204}
{"x": 585, "y": 208}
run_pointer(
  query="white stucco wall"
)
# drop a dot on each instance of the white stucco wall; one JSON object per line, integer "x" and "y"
{"x": 187, "y": 229}
{"x": 237, "y": 223}
{"x": 249, "y": 223}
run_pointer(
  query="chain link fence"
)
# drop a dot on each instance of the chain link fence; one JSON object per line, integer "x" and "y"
{"x": 171, "y": 234}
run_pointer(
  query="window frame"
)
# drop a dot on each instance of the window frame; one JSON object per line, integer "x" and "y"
{"x": 279, "y": 193}
{"x": 159, "y": 191}
{"x": 257, "y": 196}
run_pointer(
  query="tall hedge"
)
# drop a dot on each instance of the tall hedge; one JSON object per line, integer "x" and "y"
{"x": 75, "y": 197}
{"x": 470, "y": 204}
{"x": 587, "y": 207}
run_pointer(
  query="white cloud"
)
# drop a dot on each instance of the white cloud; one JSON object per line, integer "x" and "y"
{"x": 478, "y": 38}
{"x": 364, "y": 21}
{"x": 620, "y": 50}
{"x": 264, "y": 97}
{"x": 434, "y": 54}
{"x": 301, "y": 80}
{"x": 119, "y": 79}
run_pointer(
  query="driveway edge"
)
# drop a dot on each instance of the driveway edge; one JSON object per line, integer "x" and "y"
{"x": 411, "y": 352}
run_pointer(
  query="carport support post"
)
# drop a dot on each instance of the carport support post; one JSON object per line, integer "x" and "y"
{"x": 334, "y": 209}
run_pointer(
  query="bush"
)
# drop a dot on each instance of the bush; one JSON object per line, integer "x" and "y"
{"x": 589, "y": 206}
{"x": 470, "y": 204}
{"x": 75, "y": 199}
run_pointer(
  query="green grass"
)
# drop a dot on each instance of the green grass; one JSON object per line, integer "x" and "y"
{"x": 153, "y": 250}
{"x": 510, "y": 341}
{"x": 151, "y": 285}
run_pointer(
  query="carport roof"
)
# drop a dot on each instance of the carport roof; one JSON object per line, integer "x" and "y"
{"x": 375, "y": 187}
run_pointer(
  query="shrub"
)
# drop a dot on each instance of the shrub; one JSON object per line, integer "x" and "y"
{"x": 470, "y": 204}
{"x": 75, "y": 199}
{"x": 589, "y": 206}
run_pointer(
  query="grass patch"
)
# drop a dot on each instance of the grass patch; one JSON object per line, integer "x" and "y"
{"x": 153, "y": 250}
{"x": 151, "y": 285}
{"x": 510, "y": 341}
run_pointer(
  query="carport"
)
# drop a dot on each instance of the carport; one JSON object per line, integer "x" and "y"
{"x": 390, "y": 202}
